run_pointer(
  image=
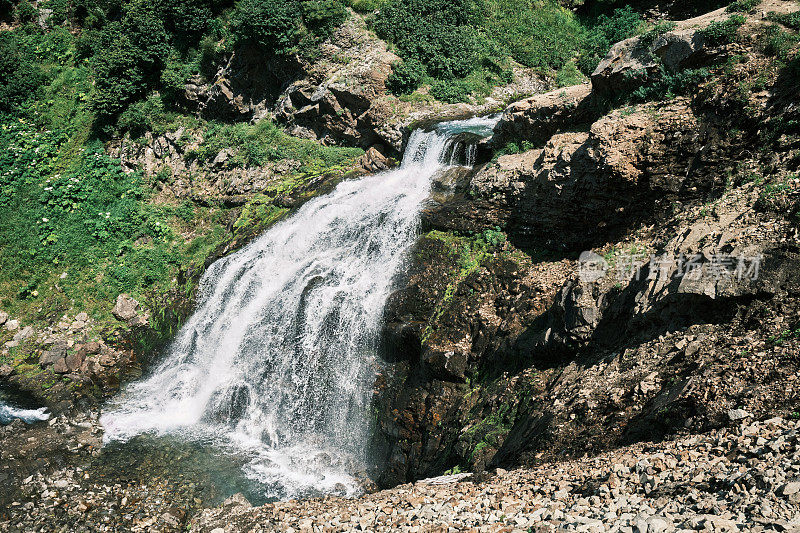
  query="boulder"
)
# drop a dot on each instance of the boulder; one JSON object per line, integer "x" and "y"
{"x": 12, "y": 325}
{"x": 126, "y": 308}
{"x": 538, "y": 118}
{"x": 74, "y": 360}
{"x": 54, "y": 354}
{"x": 631, "y": 62}
{"x": 3, "y": 317}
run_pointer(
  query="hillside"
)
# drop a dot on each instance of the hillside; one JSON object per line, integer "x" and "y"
{"x": 597, "y": 325}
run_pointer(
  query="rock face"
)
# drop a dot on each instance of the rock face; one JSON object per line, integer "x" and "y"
{"x": 538, "y": 118}
{"x": 583, "y": 188}
{"x": 683, "y": 306}
{"x": 631, "y": 62}
{"x": 341, "y": 99}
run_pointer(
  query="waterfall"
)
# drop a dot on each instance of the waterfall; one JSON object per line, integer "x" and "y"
{"x": 10, "y": 411}
{"x": 278, "y": 361}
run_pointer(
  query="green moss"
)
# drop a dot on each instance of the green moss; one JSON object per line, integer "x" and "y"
{"x": 467, "y": 254}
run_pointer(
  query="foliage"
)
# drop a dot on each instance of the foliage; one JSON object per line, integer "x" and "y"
{"x": 603, "y": 32}
{"x": 366, "y": 6}
{"x": 539, "y": 34}
{"x": 406, "y": 76}
{"x": 742, "y": 6}
{"x": 722, "y": 32}
{"x": 284, "y": 27}
{"x": 20, "y": 76}
{"x": 569, "y": 75}
{"x": 668, "y": 85}
{"x": 791, "y": 20}
{"x": 257, "y": 144}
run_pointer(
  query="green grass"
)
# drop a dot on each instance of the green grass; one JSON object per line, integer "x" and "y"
{"x": 264, "y": 142}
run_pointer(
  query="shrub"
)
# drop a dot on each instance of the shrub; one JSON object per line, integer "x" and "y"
{"x": 283, "y": 27}
{"x": 791, "y": 20}
{"x": 366, "y": 6}
{"x": 670, "y": 84}
{"x": 25, "y": 13}
{"x": 569, "y": 75}
{"x": 779, "y": 43}
{"x": 742, "y": 6}
{"x": 723, "y": 31}
{"x": 451, "y": 91}
{"x": 604, "y": 33}
{"x": 406, "y": 76}
{"x": 20, "y": 76}
{"x": 539, "y": 34}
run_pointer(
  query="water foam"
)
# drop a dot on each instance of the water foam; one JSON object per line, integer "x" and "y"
{"x": 278, "y": 361}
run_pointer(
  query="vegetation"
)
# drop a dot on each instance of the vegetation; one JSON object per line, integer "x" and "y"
{"x": 76, "y": 229}
{"x": 462, "y": 49}
{"x": 724, "y": 31}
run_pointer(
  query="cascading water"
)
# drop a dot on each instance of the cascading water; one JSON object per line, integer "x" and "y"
{"x": 10, "y": 411}
{"x": 278, "y": 361}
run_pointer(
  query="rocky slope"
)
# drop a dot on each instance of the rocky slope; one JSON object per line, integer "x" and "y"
{"x": 506, "y": 346}
{"x": 682, "y": 306}
{"x": 737, "y": 479}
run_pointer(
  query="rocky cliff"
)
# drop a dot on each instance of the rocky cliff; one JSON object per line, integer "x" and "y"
{"x": 632, "y": 273}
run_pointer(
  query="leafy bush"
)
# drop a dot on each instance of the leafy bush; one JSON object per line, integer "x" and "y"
{"x": 25, "y": 13}
{"x": 569, "y": 75}
{"x": 20, "y": 76}
{"x": 283, "y": 27}
{"x": 779, "y": 43}
{"x": 406, "y": 76}
{"x": 604, "y": 32}
{"x": 723, "y": 31}
{"x": 366, "y": 6}
{"x": 742, "y": 6}
{"x": 257, "y": 144}
{"x": 450, "y": 91}
{"x": 670, "y": 84}
{"x": 791, "y": 20}
{"x": 539, "y": 34}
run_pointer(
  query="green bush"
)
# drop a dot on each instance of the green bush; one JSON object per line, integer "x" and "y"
{"x": 451, "y": 91}
{"x": 604, "y": 32}
{"x": 406, "y": 76}
{"x": 20, "y": 76}
{"x": 791, "y": 20}
{"x": 25, "y": 13}
{"x": 742, "y": 6}
{"x": 569, "y": 75}
{"x": 668, "y": 85}
{"x": 779, "y": 43}
{"x": 366, "y": 6}
{"x": 539, "y": 34}
{"x": 723, "y": 31}
{"x": 283, "y": 27}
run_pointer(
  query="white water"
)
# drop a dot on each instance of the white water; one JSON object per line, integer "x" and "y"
{"x": 278, "y": 361}
{"x": 8, "y": 413}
